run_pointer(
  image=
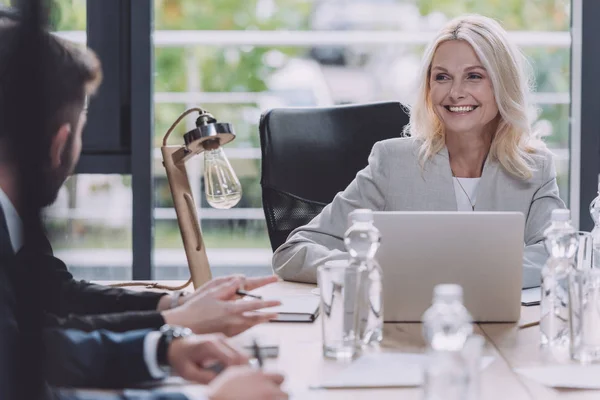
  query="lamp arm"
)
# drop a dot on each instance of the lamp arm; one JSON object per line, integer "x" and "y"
{"x": 198, "y": 262}
{"x": 185, "y": 209}
{"x": 178, "y": 120}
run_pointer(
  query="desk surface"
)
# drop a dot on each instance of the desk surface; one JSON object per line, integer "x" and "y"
{"x": 301, "y": 361}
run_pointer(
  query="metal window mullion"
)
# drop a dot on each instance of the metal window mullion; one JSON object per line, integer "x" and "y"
{"x": 585, "y": 148}
{"x": 141, "y": 96}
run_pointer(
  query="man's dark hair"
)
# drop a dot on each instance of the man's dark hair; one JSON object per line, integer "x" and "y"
{"x": 70, "y": 73}
{"x": 49, "y": 84}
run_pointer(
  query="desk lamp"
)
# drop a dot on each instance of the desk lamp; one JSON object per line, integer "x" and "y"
{"x": 222, "y": 186}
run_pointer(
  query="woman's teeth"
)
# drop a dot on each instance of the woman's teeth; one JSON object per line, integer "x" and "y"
{"x": 461, "y": 109}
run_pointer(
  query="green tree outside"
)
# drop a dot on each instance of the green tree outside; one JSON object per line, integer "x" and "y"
{"x": 242, "y": 69}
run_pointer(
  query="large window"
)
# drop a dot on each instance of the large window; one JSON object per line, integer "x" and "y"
{"x": 89, "y": 225}
{"x": 238, "y": 58}
{"x": 236, "y": 62}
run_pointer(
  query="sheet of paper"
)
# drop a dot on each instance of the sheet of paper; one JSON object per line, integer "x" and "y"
{"x": 531, "y": 297}
{"x": 384, "y": 370}
{"x": 564, "y": 376}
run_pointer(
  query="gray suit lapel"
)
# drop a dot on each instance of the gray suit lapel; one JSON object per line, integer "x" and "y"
{"x": 443, "y": 174}
{"x": 487, "y": 187}
{"x": 485, "y": 190}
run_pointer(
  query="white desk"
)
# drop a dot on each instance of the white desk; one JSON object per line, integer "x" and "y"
{"x": 301, "y": 361}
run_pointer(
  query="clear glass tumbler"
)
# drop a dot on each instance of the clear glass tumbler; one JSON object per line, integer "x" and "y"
{"x": 338, "y": 287}
{"x": 584, "y": 315}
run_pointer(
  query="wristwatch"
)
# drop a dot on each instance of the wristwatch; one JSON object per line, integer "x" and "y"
{"x": 168, "y": 333}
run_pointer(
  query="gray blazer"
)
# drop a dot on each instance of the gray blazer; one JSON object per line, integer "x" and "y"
{"x": 395, "y": 181}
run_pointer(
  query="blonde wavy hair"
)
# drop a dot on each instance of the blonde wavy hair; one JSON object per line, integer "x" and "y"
{"x": 514, "y": 140}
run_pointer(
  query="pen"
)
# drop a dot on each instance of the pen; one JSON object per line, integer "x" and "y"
{"x": 529, "y": 325}
{"x": 257, "y": 354}
{"x": 241, "y": 292}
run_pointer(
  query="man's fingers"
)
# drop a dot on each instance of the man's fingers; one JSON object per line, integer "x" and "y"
{"x": 218, "y": 281}
{"x": 254, "y": 283}
{"x": 253, "y": 320}
{"x": 240, "y": 358}
{"x": 217, "y": 350}
{"x": 241, "y": 306}
{"x": 195, "y": 373}
{"x": 226, "y": 290}
{"x": 275, "y": 378}
{"x": 259, "y": 317}
{"x": 240, "y": 323}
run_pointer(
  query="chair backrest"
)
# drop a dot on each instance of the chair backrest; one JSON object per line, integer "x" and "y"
{"x": 311, "y": 154}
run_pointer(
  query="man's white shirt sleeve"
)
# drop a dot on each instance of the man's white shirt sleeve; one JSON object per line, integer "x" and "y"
{"x": 150, "y": 349}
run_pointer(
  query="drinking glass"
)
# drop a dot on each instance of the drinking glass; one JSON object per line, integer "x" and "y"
{"x": 338, "y": 286}
{"x": 584, "y": 315}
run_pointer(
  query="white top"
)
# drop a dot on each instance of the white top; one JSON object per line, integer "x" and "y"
{"x": 15, "y": 231}
{"x": 469, "y": 185}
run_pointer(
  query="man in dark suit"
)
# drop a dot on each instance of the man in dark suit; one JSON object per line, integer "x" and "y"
{"x": 103, "y": 359}
{"x": 75, "y": 358}
{"x": 72, "y": 74}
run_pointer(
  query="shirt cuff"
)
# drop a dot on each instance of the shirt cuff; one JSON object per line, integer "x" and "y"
{"x": 150, "y": 348}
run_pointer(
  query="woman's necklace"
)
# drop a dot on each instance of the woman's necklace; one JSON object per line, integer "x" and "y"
{"x": 461, "y": 186}
{"x": 464, "y": 191}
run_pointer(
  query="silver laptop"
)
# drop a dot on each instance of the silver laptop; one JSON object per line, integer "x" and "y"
{"x": 481, "y": 251}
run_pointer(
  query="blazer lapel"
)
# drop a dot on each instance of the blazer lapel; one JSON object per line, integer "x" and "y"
{"x": 443, "y": 173}
{"x": 485, "y": 189}
{"x": 487, "y": 186}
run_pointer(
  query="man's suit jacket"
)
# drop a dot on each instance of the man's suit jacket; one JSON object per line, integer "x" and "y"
{"x": 32, "y": 357}
{"x": 70, "y": 303}
{"x": 98, "y": 359}
{"x": 394, "y": 180}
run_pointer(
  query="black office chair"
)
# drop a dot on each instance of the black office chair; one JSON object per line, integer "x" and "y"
{"x": 311, "y": 154}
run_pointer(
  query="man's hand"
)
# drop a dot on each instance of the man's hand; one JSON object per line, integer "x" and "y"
{"x": 245, "y": 283}
{"x": 190, "y": 356}
{"x": 213, "y": 311}
{"x": 245, "y": 383}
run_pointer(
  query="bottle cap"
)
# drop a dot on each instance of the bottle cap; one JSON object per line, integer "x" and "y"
{"x": 561, "y": 214}
{"x": 361, "y": 215}
{"x": 448, "y": 291}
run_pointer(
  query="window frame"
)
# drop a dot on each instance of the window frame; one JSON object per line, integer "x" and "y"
{"x": 584, "y": 143}
{"x": 119, "y": 133}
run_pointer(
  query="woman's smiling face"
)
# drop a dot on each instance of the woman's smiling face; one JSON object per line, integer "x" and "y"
{"x": 461, "y": 91}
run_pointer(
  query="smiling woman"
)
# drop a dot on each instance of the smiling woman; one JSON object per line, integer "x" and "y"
{"x": 471, "y": 148}
{"x": 472, "y": 65}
